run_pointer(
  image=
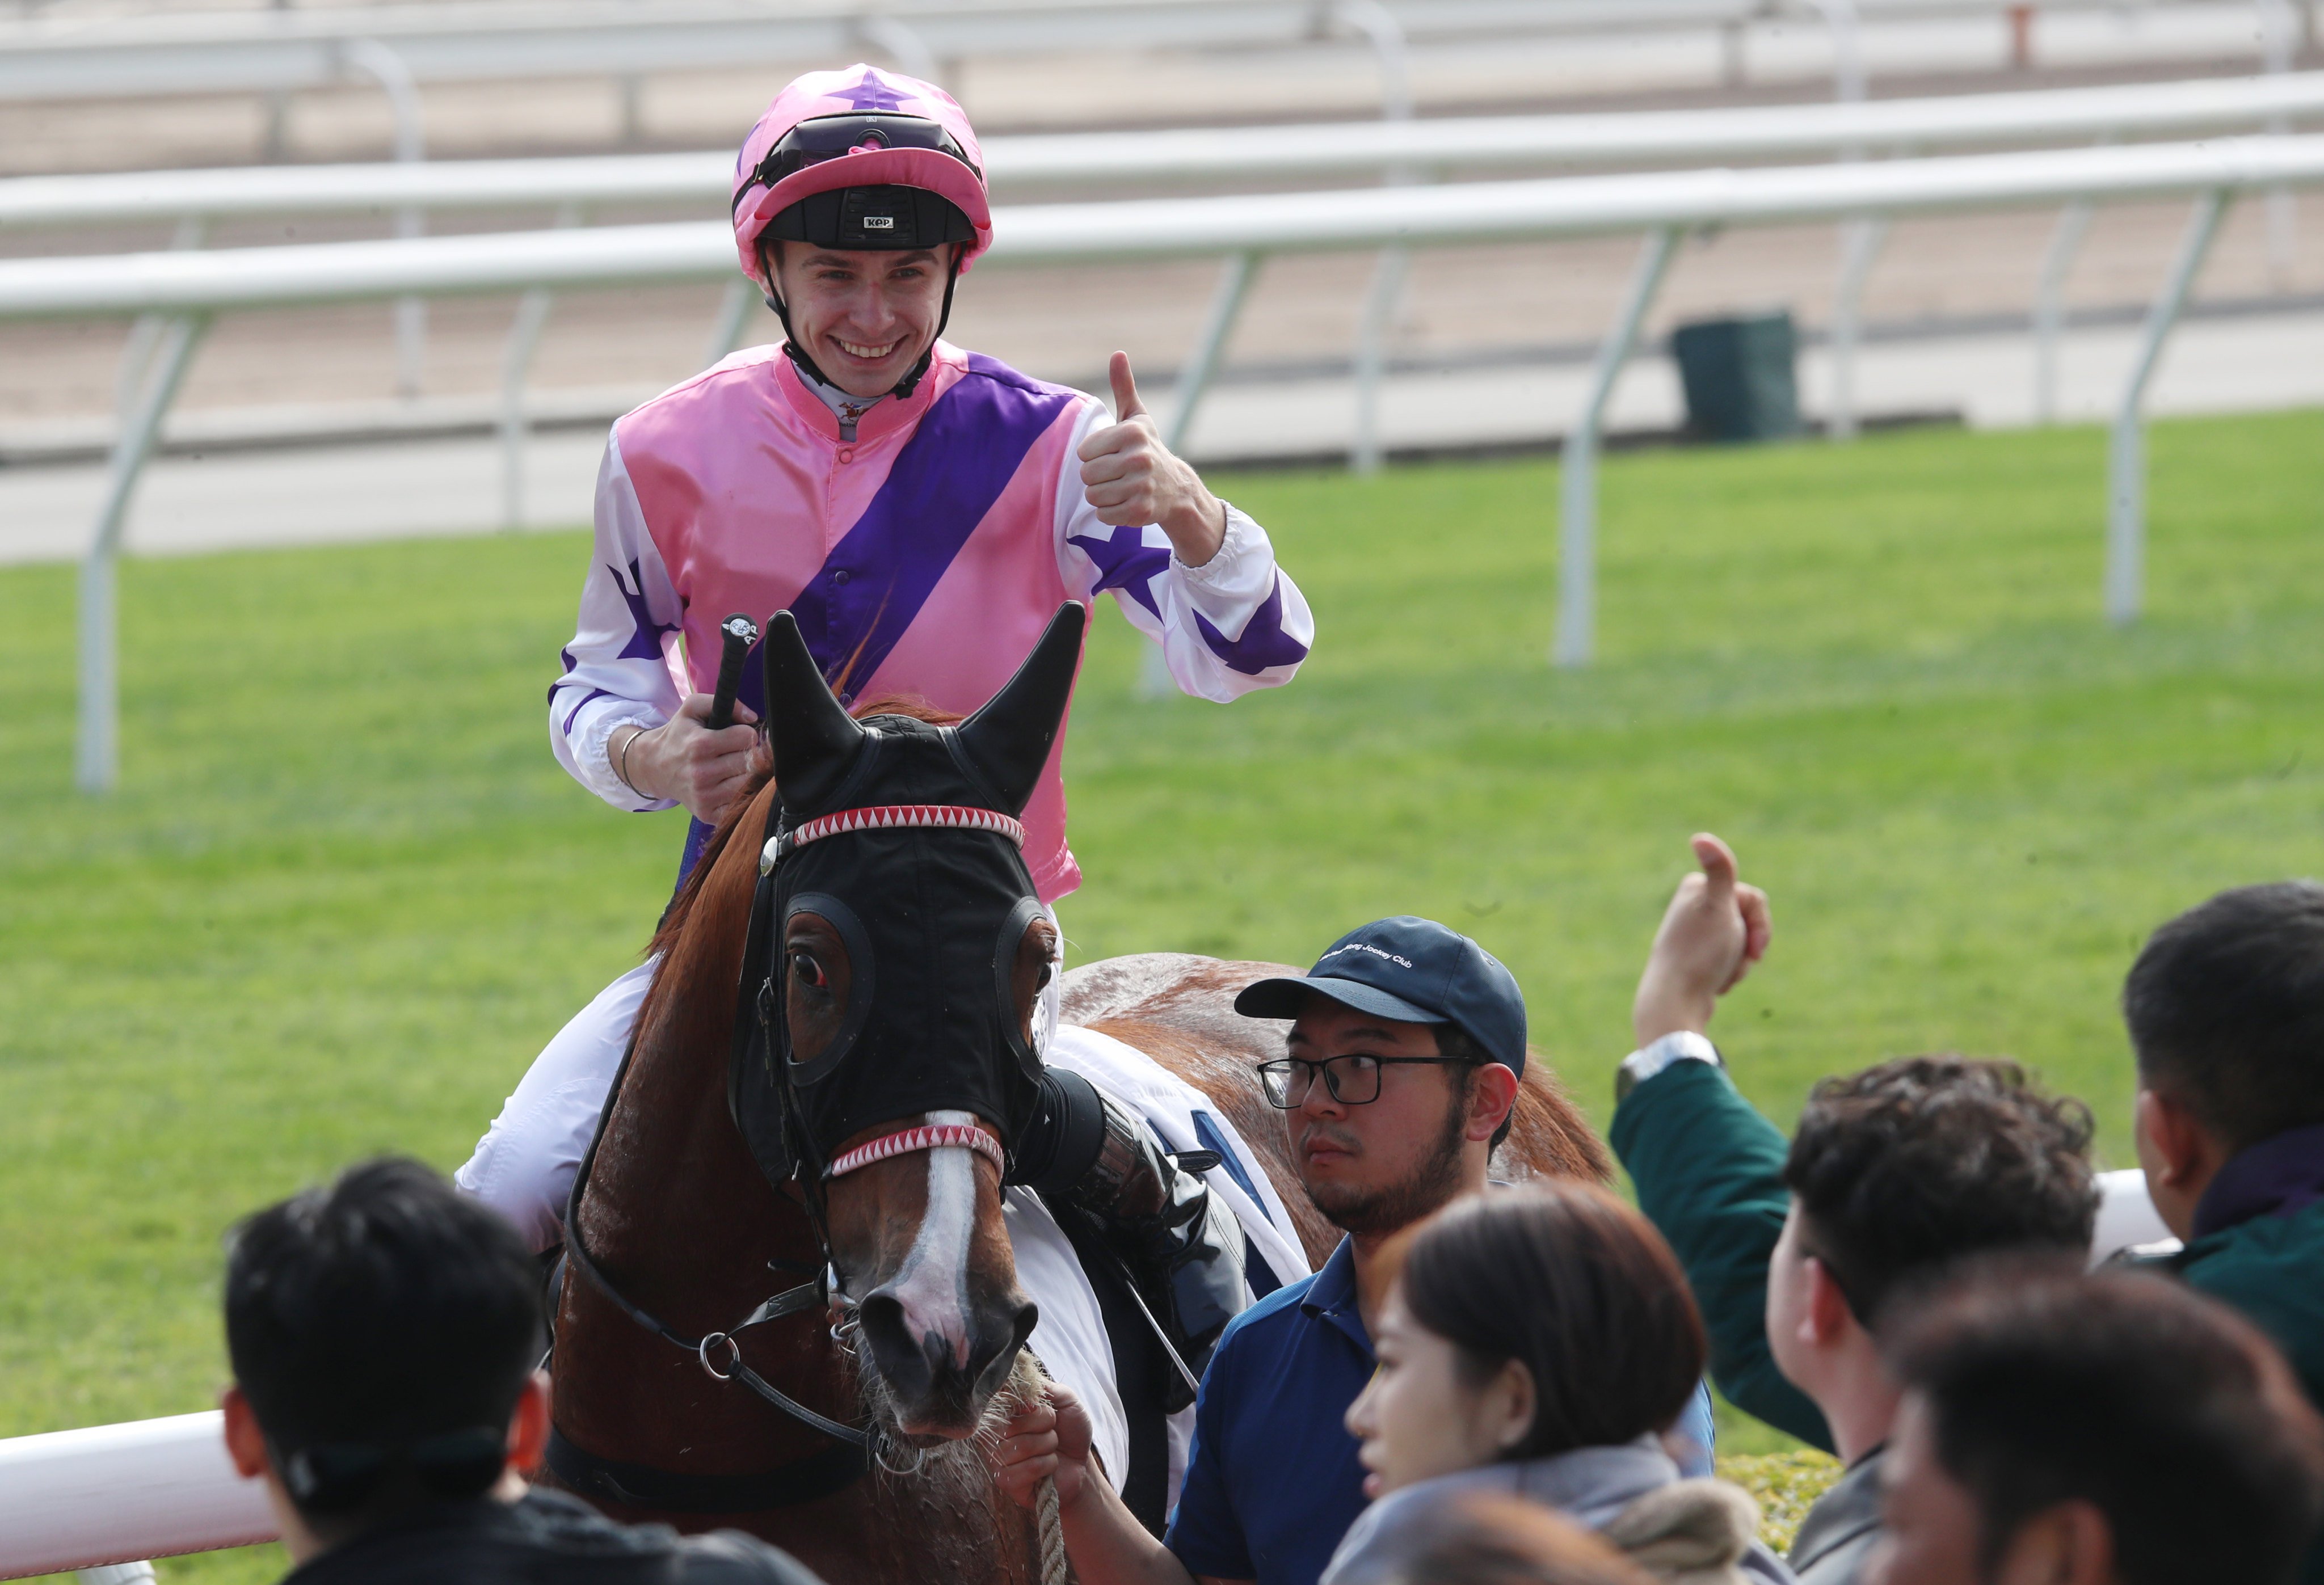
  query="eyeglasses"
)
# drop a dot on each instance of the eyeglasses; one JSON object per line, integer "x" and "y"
{"x": 1352, "y": 1081}
{"x": 827, "y": 138}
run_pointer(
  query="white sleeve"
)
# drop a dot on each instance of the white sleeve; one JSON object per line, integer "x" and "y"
{"x": 617, "y": 669}
{"x": 1235, "y": 624}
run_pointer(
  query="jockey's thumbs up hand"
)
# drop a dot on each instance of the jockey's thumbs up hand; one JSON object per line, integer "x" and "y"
{"x": 1126, "y": 405}
{"x": 1048, "y": 1438}
{"x": 1715, "y": 928}
{"x": 1132, "y": 479}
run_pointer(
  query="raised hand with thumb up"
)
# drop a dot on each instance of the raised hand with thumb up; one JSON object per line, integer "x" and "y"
{"x": 1131, "y": 478}
{"x": 1715, "y": 928}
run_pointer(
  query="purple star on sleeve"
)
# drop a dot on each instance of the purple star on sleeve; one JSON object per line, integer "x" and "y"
{"x": 1126, "y": 562}
{"x": 1264, "y": 643}
{"x": 645, "y": 633}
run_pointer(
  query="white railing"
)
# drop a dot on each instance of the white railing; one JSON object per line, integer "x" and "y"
{"x": 1404, "y": 149}
{"x": 116, "y": 1494}
{"x": 287, "y": 51}
{"x": 1355, "y": 149}
{"x": 184, "y": 289}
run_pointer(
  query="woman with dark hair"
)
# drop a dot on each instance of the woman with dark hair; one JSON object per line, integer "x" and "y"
{"x": 1540, "y": 1343}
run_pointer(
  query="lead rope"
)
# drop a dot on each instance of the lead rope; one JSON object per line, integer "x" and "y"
{"x": 1026, "y": 1383}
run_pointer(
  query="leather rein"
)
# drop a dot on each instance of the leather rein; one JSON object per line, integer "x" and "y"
{"x": 720, "y": 1353}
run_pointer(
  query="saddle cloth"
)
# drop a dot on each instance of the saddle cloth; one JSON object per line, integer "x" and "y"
{"x": 1070, "y": 1339}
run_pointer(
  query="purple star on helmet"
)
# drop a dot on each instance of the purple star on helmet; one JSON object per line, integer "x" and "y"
{"x": 1126, "y": 563}
{"x": 871, "y": 94}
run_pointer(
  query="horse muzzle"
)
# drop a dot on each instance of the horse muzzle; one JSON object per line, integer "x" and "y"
{"x": 936, "y": 1371}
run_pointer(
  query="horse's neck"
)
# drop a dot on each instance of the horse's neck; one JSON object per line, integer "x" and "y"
{"x": 676, "y": 1198}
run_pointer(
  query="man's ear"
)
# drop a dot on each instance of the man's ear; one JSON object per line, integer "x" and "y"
{"x": 1827, "y": 1314}
{"x": 1491, "y": 1094}
{"x": 245, "y": 1443}
{"x": 528, "y": 1435}
{"x": 2066, "y": 1544}
{"x": 2180, "y": 1144}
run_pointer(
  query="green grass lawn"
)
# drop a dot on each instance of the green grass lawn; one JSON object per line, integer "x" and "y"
{"x": 345, "y": 894}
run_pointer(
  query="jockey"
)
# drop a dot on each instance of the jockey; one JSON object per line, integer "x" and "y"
{"x": 922, "y": 512}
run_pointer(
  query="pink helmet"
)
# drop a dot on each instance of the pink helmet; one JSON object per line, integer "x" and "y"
{"x": 861, "y": 159}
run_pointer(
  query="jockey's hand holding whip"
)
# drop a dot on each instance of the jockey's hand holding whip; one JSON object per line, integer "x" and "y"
{"x": 1132, "y": 479}
{"x": 705, "y": 755}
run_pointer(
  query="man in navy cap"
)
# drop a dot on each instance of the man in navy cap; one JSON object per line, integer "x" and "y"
{"x": 1396, "y": 1084}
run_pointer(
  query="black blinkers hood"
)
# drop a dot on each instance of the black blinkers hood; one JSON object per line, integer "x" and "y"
{"x": 931, "y": 916}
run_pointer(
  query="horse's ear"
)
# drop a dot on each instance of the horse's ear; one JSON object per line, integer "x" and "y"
{"x": 813, "y": 736}
{"x": 1009, "y": 738}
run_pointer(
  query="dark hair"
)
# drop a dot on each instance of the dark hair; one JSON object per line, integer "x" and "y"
{"x": 1455, "y": 1042}
{"x": 2226, "y": 1010}
{"x": 1907, "y": 1166}
{"x": 1487, "y": 1539}
{"x": 2172, "y": 1415}
{"x": 382, "y": 1329}
{"x": 1578, "y": 1286}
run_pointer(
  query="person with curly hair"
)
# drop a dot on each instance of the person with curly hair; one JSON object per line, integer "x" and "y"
{"x": 1794, "y": 1250}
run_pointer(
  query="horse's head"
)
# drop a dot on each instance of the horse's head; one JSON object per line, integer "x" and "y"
{"x": 904, "y": 949}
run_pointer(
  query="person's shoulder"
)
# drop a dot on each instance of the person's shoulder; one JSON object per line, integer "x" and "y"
{"x": 980, "y": 366}
{"x": 2263, "y": 1254}
{"x": 729, "y": 1557}
{"x": 1264, "y": 1322}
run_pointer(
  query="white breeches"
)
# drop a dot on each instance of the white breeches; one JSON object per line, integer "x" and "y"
{"x": 524, "y": 1164}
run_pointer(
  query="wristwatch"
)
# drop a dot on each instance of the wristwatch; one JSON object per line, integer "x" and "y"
{"x": 1644, "y": 1064}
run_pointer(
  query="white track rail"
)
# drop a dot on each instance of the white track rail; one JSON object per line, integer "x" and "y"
{"x": 116, "y": 1494}
{"x": 1355, "y": 149}
{"x": 188, "y": 289}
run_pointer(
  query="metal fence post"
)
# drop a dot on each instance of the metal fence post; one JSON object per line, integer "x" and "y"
{"x": 516, "y": 362}
{"x": 97, "y": 757}
{"x": 1577, "y": 540}
{"x": 1210, "y": 345}
{"x": 2049, "y": 304}
{"x": 2126, "y": 558}
{"x": 1378, "y": 24}
{"x": 734, "y": 314}
{"x": 1859, "y": 245}
{"x": 386, "y": 68}
{"x": 146, "y": 331}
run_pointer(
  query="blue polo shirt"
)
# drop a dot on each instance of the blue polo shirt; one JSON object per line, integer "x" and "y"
{"x": 1272, "y": 1478}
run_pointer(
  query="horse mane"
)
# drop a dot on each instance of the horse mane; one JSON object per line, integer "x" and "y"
{"x": 912, "y": 706}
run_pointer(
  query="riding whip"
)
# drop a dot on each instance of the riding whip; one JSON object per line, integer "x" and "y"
{"x": 740, "y": 633}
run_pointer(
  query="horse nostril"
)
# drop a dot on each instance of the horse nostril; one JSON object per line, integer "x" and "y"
{"x": 994, "y": 1353}
{"x": 909, "y": 1369}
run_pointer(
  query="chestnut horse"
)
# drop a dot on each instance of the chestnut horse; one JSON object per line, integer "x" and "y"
{"x": 686, "y": 1227}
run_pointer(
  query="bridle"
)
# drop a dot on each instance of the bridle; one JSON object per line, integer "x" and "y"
{"x": 720, "y": 1353}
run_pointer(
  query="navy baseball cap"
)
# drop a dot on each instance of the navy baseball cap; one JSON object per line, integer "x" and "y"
{"x": 1412, "y": 970}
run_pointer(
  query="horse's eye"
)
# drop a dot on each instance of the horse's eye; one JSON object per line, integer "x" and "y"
{"x": 1048, "y": 972}
{"x": 808, "y": 971}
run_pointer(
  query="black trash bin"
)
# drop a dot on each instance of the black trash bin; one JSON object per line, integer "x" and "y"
{"x": 1739, "y": 378}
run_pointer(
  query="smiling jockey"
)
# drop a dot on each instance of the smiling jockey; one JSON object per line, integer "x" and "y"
{"x": 922, "y": 512}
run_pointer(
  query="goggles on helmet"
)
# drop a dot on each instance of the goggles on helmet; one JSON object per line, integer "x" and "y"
{"x": 831, "y": 137}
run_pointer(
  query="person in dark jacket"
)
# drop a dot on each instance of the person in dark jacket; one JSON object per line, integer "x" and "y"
{"x": 2113, "y": 1429}
{"x": 2226, "y": 1010}
{"x": 1794, "y": 1251}
{"x": 383, "y": 1334}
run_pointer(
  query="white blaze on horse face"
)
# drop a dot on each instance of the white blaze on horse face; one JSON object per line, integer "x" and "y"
{"x": 932, "y": 1285}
